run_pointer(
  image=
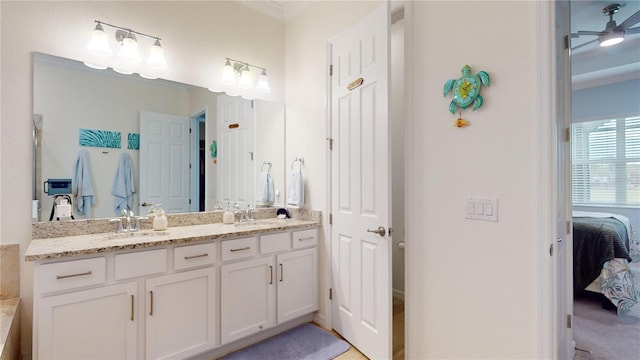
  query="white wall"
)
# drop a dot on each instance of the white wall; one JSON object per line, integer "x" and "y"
{"x": 606, "y": 101}
{"x": 472, "y": 288}
{"x": 197, "y": 36}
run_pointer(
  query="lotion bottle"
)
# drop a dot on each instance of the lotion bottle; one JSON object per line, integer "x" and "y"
{"x": 160, "y": 220}
{"x": 228, "y": 216}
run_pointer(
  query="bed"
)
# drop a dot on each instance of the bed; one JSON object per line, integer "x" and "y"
{"x": 601, "y": 257}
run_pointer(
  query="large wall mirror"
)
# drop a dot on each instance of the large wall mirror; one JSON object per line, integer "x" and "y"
{"x": 109, "y": 115}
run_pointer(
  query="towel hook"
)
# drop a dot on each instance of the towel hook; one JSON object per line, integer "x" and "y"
{"x": 268, "y": 163}
{"x": 297, "y": 159}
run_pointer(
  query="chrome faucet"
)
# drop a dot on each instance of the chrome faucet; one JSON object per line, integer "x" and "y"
{"x": 128, "y": 214}
{"x": 249, "y": 213}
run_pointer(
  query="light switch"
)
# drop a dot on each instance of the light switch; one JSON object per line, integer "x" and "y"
{"x": 488, "y": 209}
{"x": 481, "y": 208}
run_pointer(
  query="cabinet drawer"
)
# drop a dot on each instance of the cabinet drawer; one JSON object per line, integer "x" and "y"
{"x": 190, "y": 256}
{"x": 71, "y": 274}
{"x": 140, "y": 263}
{"x": 275, "y": 242}
{"x": 239, "y": 248}
{"x": 305, "y": 238}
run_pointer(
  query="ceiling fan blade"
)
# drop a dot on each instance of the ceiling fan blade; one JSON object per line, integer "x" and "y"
{"x": 581, "y": 45}
{"x": 596, "y": 33}
{"x": 635, "y": 30}
{"x": 631, "y": 20}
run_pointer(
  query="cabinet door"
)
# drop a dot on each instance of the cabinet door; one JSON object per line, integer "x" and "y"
{"x": 247, "y": 292}
{"x": 297, "y": 284}
{"x": 180, "y": 314}
{"x": 97, "y": 323}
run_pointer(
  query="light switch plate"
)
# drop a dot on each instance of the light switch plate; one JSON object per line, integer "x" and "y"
{"x": 481, "y": 208}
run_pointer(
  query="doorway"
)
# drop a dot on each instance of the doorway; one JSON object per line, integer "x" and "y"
{"x": 198, "y": 161}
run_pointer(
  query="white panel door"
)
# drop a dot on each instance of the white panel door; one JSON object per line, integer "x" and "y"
{"x": 181, "y": 314}
{"x": 100, "y": 323}
{"x": 563, "y": 261}
{"x": 235, "y": 151}
{"x": 361, "y": 259}
{"x": 164, "y": 161}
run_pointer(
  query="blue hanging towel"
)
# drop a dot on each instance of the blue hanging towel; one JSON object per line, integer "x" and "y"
{"x": 123, "y": 187}
{"x": 82, "y": 184}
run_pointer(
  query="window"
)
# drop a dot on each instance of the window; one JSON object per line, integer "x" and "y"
{"x": 606, "y": 162}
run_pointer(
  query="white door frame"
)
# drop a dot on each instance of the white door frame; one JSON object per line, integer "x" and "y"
{"x": 547, "y": 167}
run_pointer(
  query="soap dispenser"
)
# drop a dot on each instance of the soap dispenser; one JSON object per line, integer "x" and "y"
{"x": 228, "y": 217}
{"x": 160, "y": 221}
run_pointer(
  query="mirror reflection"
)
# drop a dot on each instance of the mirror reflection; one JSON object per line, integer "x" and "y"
{"x": 188, "y": 148}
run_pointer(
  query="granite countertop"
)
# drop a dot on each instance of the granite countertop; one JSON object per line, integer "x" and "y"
{"x": 66, "y": 246}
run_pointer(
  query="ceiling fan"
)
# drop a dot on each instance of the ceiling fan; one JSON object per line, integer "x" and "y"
{"x": 612, "y": 33}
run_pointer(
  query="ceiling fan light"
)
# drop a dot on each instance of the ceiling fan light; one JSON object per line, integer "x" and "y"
{"x": 611, "y": 38}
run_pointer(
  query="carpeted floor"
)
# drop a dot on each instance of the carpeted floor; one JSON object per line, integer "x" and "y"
{"x": 606, "y": 334}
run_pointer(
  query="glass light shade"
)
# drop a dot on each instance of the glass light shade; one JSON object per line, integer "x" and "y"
{"x": 611, "y": 38}
{"x": 95, "y": 66}
{"x": 99, "y": 45}
{"x": 228, "y": 75}
{"x": 156, "y": 56}
{"x": 122, "y": 71}
{"x": 129, "y": 50}
{"x": 245, "y": 79}
{"x": 263, "y": 83}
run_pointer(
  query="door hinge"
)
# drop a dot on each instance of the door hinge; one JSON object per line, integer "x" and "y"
{"x": 330, "y": 143}
{"x": 330, "y": 293}
{"x": 330, "y": 219}
{"x": 331, "y": 70}
{"x": 252, "y": 104}
{"x": 189, "y": 165}
{"x": 390, "y": 231}
{"x": 551, "y": 250}
{"x": 568, "y": 227}
{"x": 567, "y": 134}
{"x": 189, "y": 201}
{"x": 569, "y": 321}
{"x": 189, "y": 130}
{"x": 566, "y": 41}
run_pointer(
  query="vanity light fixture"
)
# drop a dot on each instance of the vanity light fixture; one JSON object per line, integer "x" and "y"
{"x": 99, "y": 45}
{"x": 236, "y": 72}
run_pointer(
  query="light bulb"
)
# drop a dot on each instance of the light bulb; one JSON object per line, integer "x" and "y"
{"x": 263, "y": 83}
{"x": 129, "y": 50}
{"x": 611, "y": 38}
{"x": 245, "y": 78}
{"x": 228, "y": 75}
{"x": 156, "y": 56}
{"x": 99, "y": 45}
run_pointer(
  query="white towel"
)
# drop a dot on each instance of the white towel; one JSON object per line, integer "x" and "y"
{"x": 82, "y": 184}
{"x": 295, "y": 195}
{"x": 265, "y": 193}
{"x": 123, "y": 187}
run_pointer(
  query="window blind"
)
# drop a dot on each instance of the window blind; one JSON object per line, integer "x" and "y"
{"x": 606, "y": 162}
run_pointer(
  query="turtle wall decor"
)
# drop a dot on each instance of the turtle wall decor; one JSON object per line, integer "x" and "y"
{"x": 466, "y": 91}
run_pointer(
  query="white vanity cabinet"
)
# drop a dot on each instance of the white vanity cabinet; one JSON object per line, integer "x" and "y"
{"x": 78, "y": 323}
{"x": 175, "y": 300}
{"x": 261, "y": 290}
{"x": 180, "y": 316}
{"x": 95, "y": 323}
